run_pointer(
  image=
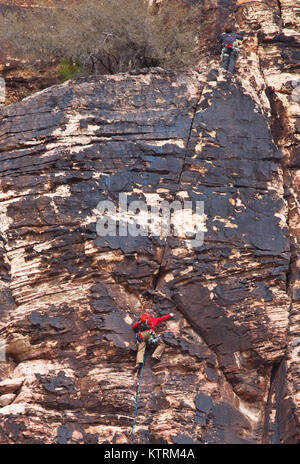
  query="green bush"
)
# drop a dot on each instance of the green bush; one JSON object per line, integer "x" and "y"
{"x": 68, "y": 70}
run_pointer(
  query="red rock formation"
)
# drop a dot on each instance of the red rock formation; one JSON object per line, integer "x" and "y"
{"x": 230, "y": 373}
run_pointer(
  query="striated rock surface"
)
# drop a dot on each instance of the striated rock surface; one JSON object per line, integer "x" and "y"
{"x": 230, "y": 373}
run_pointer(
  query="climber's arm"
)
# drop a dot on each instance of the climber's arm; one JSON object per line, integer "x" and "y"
{"x": 135, "y": 325}
{"x": 221, "y": 38}
{"x": 239, "y": 36}
{"x": 158, "y": 320}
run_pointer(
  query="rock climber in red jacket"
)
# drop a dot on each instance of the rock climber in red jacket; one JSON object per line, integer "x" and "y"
{"x": 146, "y": 334}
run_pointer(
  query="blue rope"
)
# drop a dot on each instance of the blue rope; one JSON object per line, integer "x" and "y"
{"x": 137, "y": 399}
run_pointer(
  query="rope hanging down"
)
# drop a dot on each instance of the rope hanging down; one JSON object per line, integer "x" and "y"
{"x": 137, "y": 398}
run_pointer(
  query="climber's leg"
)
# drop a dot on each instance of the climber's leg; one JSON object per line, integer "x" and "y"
{"x": 140, "y": 352}
{"x": 225, "y": 57}
{"x": 142, "y": 347}
{"x": 231, "y": 64}
{"x": 158, "y": 352}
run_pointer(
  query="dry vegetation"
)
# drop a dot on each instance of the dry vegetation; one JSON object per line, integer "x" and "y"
{"x": 104, "y": 36}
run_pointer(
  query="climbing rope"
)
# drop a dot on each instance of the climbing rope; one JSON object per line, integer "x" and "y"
{"x": 137, "y": 398}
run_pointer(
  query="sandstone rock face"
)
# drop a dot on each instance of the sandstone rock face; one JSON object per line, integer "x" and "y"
{"x": 230, "y": 373}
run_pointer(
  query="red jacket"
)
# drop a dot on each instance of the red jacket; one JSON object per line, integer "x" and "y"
{"x": 153, "y": 321}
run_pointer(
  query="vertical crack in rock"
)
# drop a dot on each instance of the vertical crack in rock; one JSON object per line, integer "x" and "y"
{"x": 160, "y": 270}
{"x": 190, "y": 133}
{"x": 280, "y": 11}
{"x": 270, "y": 425}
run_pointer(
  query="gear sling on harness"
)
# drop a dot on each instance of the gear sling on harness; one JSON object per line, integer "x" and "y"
{"x": 153, "y": 338}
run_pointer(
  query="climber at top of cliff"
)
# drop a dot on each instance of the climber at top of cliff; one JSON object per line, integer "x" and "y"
{"x": 146, "y": 335}
{"x": 230, "y": 48}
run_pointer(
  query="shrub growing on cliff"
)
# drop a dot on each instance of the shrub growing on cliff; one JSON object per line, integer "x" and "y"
{"x": 68, "y": 70}
{"x": 106, "y": 36}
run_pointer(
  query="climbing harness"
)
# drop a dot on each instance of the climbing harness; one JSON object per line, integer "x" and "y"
{"x": 153, "y": 337}
{"x": 230, "y": 48}
{"x": 137, "y": 398}
{"x": 145, "y": 327}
